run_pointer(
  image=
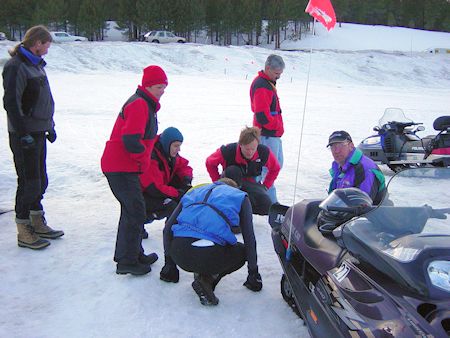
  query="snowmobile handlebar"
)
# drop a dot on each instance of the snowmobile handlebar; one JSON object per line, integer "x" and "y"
{"x": 438, "y": 213}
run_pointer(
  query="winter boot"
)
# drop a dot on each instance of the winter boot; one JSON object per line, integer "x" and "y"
{"x": 215, "y": 280}
{"x": 40, "y": 226}
{"x": 169, "y": 272}
{"x": 203, "y": 287}
{"x": 27, "y": 238}
{"x": 148, "y": 259}
{"x": 137, "y": 269}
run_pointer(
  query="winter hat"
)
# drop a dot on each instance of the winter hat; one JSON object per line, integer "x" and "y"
{"x": 168, "y": 136}
{"x": 339, "y": 136}
{"x": 235, "y": 173}
{"x": 153, "y": 75}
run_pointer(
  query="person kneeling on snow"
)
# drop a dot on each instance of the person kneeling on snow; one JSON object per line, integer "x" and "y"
{"x": 167, "y": 178}
{"x": 249, "y": 157}
{"x": 198, "y": 238}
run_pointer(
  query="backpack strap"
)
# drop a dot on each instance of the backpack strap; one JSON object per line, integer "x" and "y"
{"x": 218, "y": 211}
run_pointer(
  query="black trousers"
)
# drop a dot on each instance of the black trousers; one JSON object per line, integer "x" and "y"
{"x": 259, "y": 198}
{"x": 210, "y": 260}
{"x": 127, "y": 190}
{"x": 31, "y": 169}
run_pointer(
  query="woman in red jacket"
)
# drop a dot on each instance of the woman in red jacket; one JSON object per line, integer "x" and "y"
{"x": 126, "y": 155}
{"x": 168, "y": 177}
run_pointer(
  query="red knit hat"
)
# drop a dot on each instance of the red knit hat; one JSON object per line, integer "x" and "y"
{"x": 153, "y": 75}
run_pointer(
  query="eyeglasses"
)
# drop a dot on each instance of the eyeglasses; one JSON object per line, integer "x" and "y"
{"x": 338, "y": 145}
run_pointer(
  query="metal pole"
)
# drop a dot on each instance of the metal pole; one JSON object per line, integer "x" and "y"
{"x": 289, "y": 251}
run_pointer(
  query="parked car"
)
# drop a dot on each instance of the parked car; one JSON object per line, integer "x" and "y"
{"x": 163, "y": 37}
{"x": 2, "y": 36}
{"x": 66, "y": 37}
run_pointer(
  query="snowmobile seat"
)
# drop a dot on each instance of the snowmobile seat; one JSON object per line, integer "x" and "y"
{"x": 323, "y": 253}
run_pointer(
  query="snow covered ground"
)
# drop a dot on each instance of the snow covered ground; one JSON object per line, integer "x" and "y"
{"x": 70, "y": 289}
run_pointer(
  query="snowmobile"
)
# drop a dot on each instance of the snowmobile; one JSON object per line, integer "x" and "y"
{"x": 397, "y": 144}
{"x": 383, "y": 272}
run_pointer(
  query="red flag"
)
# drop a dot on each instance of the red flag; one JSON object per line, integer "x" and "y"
{"x": 322, "y": 10}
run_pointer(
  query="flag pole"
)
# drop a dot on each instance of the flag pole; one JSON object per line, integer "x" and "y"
{"x": 291, "y": 221}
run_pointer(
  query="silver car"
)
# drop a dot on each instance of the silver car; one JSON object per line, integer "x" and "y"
{"x": 163, "y": 37}
{"x": 66, "y": 37}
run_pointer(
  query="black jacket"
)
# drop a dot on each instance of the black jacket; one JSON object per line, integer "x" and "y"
{"x": 28, "y": 100}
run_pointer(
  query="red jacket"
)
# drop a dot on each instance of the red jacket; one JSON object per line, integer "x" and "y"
{"x": 133, "y": 135}
{"x": 266, "y": 106}
{"x": 231, "y": 155}
{"x": 161, "y": 177}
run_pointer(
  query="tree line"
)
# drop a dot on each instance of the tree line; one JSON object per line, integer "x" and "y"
{"x": 223, "y": 20}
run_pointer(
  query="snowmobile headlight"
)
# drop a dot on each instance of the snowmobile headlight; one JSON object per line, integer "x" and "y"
{"x": 402, "y": 254}
{"x": 439, "y": 273}
{"x": 372, "y": 140}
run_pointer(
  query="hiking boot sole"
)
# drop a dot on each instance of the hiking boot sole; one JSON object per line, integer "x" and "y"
{"x": 41, "y": 244}
{"x": 133, "y": 270}
{"x": 169, "y": 280}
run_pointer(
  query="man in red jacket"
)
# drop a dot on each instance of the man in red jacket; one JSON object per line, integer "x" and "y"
{"x": 247, "y": 157}
{"x": 167, "y": 178}
{"x": 126, "y": 155}
{"x": 265, "y": 105}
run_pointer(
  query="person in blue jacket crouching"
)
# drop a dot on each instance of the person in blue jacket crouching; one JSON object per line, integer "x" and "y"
{"x": 198, "y": 237}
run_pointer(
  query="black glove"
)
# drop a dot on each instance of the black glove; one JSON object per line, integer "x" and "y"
{"x": 27, "y": 142}
{"x": 181, "y": 193}
{"x": 187, "y": 183}
{"x": 254, "y": 281}
{"x": 187, "y": 180}
{"x": 51, "y": 135}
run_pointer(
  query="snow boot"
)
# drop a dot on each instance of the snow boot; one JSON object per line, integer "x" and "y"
{"x": 203, "y": 287}
{"x": 27, "y": 238}
{"x": 137, "y": 269}
{"x": 148, "y": 259}
{"x": 169, "y": 272}
{"x": 40, "y": 226}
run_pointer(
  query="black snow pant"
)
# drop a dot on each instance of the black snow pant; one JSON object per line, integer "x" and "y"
{"x": 127, "y": 190}
{"x": 259, "y": 198}
{"x": 32, "y": 180}
{"x": 208, "y": 260}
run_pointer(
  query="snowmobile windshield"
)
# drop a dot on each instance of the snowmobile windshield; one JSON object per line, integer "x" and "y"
{"x": 408, "y": 229}
{"x": 391, "y": 115}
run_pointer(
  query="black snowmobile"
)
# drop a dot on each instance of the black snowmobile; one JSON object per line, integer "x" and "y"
{"x": 397, "y": 144}
{"x": 356, "y": 270}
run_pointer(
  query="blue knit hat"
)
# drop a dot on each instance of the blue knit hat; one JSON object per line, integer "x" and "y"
{"x": 168, "y": 136}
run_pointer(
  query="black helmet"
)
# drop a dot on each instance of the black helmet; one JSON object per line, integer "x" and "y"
{"x": 330, "y": 219}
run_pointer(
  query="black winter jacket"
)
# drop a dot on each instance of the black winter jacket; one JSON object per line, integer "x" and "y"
{"x": 28, "y": 99}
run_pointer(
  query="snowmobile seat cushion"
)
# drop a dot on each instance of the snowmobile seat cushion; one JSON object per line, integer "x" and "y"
{"x": 441, "y": 123}
{"x": 306, "y": 213}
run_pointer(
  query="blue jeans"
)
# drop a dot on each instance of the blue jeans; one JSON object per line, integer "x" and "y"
{"x": 276, "y": 146}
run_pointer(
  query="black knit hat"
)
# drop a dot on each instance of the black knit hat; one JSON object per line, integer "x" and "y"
{"x": 235, "y": 173}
